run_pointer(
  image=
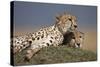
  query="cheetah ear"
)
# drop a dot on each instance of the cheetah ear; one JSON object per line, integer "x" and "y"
{"x": 83, "y": 34}
{"x": 57, "y": 18}
{"x": 65, "y": 13}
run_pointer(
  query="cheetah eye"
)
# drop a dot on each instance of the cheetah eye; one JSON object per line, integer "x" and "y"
{"x": 73, "y": 37}
{"x": 69, "y": 19}
{"x": 80, "y": 36}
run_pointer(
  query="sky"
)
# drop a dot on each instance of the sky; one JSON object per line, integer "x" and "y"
{"x": 29, "y": 16}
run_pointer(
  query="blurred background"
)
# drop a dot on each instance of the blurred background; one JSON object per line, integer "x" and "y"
{"x": 29, "y": 17}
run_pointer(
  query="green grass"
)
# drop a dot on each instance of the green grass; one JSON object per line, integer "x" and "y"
{"x": 51, "y": 55}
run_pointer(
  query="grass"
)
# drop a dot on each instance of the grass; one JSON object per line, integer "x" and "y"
{"x": 51, "y": 55}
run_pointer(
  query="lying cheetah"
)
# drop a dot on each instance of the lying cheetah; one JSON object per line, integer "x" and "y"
{"x": 74, "y": 39}
{"x": 49, "y": 36}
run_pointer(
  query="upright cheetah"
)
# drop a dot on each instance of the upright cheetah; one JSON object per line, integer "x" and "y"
{"x": 45, "y": 37}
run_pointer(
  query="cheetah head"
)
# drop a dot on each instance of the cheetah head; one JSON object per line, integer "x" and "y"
{"x": 66, "y": 22}
{"x": 77, "y": 39}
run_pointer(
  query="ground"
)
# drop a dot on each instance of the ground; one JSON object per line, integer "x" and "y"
{"x": 51, "y": 55}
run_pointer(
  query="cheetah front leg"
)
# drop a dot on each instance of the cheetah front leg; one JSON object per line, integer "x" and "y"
{"x": 32, "y": 51}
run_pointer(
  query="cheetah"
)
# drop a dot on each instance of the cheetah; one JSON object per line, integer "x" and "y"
{"x": 19, "y": 43}
{"x": 48, "y": 36}
{"x": 74, "y": 39}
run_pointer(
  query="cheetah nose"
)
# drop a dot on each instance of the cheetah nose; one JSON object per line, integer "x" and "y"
{"x": 78, "y": 44}
{"x": 75, "y": 26}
